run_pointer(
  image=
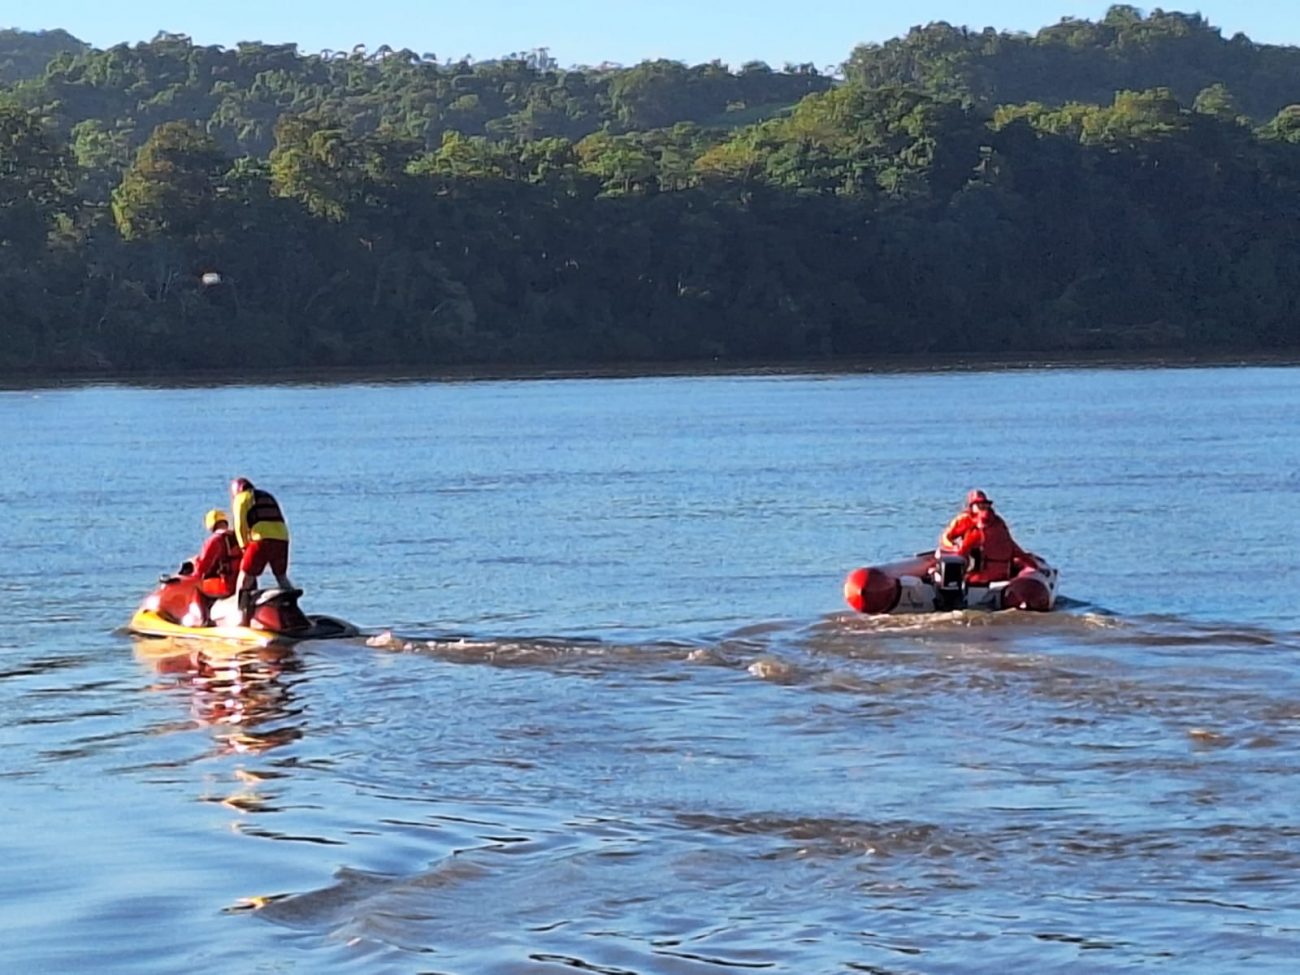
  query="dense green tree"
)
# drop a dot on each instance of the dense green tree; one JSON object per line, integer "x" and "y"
{"x": 35, "y": 179}
{"x": 170, "y": 188}
{"x": 1283, "y": 127}
{"x": 1218, "y": 101}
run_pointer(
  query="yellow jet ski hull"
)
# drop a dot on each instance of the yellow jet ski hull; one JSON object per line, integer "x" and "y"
{"x": 146, "y": 622}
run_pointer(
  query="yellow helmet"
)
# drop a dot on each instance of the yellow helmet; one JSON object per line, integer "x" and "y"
{"x": 214, "y": 516}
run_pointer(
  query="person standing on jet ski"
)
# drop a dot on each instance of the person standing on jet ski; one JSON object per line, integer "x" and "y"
{"x": 261, "y": 531}
{"x": 980, "y": 534}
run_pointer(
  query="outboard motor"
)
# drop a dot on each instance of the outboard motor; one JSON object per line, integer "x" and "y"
{"x": 950, "y": 581}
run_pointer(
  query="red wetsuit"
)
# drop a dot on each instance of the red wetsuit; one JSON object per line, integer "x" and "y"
{"x": 990, "y": 536}
{"x": 976, "y": 501}
{"x": 218, "y": 564}
{"x": 958, "y": 527}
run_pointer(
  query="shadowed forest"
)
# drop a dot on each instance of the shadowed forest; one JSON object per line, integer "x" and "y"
{"x": 1126, "y": 185}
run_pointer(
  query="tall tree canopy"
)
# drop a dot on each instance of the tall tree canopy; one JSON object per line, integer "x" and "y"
{"x": 165, "y": 206}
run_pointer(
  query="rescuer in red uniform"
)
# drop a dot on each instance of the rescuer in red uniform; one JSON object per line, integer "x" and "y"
{"x": 994, "y": 554}
{"x": 217, "y": 564}
{"x": 261, "y": 529}
{"x": 965, "y": 520}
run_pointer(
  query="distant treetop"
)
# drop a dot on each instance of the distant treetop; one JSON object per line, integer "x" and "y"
{"x": 1082, "y": 61}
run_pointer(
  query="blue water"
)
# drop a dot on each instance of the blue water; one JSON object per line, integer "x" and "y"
{"x": 611, "y": 713}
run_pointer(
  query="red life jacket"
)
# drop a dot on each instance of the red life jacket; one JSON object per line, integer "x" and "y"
{"x": 957, "y": 529}
{"x": 219, "y": 577}
{"x": 996, "y": 549}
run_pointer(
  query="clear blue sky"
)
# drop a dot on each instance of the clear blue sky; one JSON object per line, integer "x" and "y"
{"x": 590, "y": 31}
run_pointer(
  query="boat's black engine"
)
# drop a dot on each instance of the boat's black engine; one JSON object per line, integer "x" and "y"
{"x": 950, "y": 581}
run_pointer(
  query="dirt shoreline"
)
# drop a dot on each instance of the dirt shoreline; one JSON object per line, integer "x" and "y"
{"x": 338, "y": 375}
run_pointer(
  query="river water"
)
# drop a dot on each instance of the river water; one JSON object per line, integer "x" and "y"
{"x": 610, "y": 714}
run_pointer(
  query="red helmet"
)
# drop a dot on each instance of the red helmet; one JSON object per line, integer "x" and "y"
{"x": 977, "y": 497}
{"x": 239, "y": 485}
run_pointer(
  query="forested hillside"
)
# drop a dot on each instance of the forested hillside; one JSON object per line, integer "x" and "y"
{"x": 1085, "y": 61}
{"x": 24, "y": 54}
{"x": 167, "y": 207}
{"x": 238, "y": 95}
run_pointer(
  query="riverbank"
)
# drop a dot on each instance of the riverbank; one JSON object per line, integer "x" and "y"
{"x": 339, "y": 375}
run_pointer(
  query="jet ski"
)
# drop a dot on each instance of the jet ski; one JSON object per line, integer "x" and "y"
{"x": 936, "y": 582}
{"x": 180, "y": 608}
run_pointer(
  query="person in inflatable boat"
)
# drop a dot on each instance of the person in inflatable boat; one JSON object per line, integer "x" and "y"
{"x": 263, "y": 534}
{"x": 982, "y": 535}
{"x": 965, "y": 520}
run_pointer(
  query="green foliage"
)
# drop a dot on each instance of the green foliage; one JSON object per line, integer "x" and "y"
{"x": 1283, "y": 127}
{"x": 238, "y": 96}
{"x": 170, "y": 188}
{"x": 171, "y": 207}
{"x": 1082, "y": 61}
{"x": 35, "y": 179}
{"x": 856, "y": 142}
{"x": 1218, "y": 101}
{"x": 24, "y": 54}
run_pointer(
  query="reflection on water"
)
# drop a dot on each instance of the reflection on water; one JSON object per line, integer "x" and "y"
{"x": 244, "y": 694}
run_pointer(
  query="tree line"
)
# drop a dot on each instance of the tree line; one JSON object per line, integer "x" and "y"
{"x": 317, "y": 213}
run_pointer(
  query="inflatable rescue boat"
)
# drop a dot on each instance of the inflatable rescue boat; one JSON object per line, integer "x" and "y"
{"x": 935, "y": 582}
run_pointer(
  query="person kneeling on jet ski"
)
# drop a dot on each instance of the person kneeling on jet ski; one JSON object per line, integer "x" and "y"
{"x": 990, "y": 547}
{"x": 261, "y": 531}
{"x": 217, "y": 564}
